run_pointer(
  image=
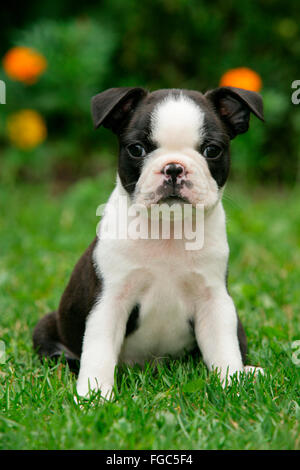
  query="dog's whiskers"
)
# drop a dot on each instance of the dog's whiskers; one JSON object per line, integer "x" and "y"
{"x": 129, "y": 184}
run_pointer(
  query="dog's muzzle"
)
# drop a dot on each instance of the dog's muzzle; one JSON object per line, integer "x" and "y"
{"x": 174, "y": 173}
{"x": 174, "y": 178}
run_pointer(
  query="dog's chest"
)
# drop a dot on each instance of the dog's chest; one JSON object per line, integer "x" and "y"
{"x": 165, "y": 285}
{"x": 163, "y": 316}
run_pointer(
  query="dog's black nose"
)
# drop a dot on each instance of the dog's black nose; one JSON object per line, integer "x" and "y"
{"x": 172, "y": 171}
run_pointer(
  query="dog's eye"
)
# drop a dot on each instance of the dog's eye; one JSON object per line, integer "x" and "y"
{"x": 212, "y": 151}
{"x": 136, "y": 150}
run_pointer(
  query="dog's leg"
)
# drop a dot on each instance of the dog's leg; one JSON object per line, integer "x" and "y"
{"x": 216, "y": 329}
{"x": 104, "y": 335}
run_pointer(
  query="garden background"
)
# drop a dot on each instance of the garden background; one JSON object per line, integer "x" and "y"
{"x": 55, "y": 170}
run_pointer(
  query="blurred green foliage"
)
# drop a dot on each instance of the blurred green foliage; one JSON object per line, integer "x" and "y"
{"x": 153, "y": 43}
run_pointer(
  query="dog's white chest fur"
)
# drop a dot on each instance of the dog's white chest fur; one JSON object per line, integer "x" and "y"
{"x": 164, "y": 323}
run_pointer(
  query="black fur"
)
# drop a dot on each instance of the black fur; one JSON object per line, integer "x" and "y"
{"x": 132, "y": 323}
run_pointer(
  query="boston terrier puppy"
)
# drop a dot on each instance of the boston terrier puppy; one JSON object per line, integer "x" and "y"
{"x": 135, "y": 299}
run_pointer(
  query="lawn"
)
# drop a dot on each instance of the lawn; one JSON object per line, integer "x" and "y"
{"x": 177, "y": 406}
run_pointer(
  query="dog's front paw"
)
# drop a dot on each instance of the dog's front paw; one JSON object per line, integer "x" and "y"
{"x": 91, "y": 387}
{"x": 254, "y": 370}
{"x": 226, "y": 374}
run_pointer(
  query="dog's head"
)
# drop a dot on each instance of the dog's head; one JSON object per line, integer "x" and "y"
{"x": 174, "y": 144}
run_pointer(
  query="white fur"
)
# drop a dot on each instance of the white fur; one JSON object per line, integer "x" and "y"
{"x": 176, "y": 123}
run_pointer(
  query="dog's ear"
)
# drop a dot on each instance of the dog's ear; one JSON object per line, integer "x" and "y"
{"x": 234, "y": 106}
{"x": 112, "y": 107}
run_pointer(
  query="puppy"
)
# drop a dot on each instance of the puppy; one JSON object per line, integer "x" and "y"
{"x": 135, "y": 299}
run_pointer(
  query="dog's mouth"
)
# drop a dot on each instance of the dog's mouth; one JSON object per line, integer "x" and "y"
{"x": 171, "y": 194}
{"x": 173, "y": 199}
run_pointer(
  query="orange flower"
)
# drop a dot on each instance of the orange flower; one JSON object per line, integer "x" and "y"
{"x": 26, "y": 129}
{"x": 24, "y": 64}
{"x": 242, "y": 77}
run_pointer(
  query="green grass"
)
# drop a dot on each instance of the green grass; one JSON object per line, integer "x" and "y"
{"x": 177, "y": 406}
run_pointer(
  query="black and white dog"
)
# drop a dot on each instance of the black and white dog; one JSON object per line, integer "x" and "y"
{"x": 133, "y": 300}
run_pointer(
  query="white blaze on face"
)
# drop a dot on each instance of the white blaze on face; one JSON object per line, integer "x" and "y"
{"x": 177, "y": 124}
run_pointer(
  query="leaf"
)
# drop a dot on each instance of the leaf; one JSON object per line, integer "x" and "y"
{"x": 193, "y": 386}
